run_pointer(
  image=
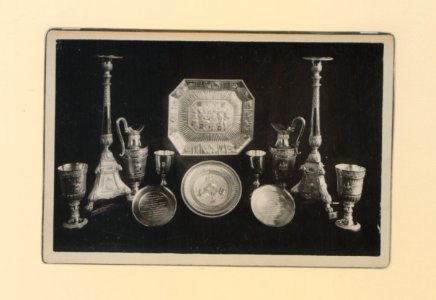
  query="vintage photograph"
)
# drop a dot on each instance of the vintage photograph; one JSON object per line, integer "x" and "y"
{"x": 218, "y": 148}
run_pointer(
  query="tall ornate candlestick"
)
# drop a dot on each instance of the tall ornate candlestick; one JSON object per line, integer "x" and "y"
{"x": 312, "y": 185}
{"x": 108, "y": 183}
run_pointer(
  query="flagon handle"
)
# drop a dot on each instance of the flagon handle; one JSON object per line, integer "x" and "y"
{"x": 302, "y": 126}
{"x": 123, "y": 146}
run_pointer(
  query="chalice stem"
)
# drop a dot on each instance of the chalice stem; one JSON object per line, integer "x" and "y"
{"x": 134, "y": 187}
{"x": 348, "y": 212}
{"x": 256, "y": 182}
{"x": 74, "y": 212}
{"x": 163, "y": 181}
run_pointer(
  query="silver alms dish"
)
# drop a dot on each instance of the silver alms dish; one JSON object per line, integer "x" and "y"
{"x": 211, "y": 189}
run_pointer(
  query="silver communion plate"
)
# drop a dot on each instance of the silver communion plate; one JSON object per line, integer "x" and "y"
{"x": 211, "y": 189}
{"x": 272, "y": 205}
{"x": 210, "y": 117}
{"x": 154, "y": 205}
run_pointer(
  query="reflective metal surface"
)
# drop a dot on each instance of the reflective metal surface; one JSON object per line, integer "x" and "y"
{"x": 134, "y": 157}
{"x": 107, "y": 184}
{"x": 154, "y": 205}
{"x": 73, "y": 188}
{"x": 257, "y": 164}
{"x": 349, "y": 180}
{"x": 210, "y": 117}
{"x": 272, "y": 205}
{"x": 312, "y": 184}
{"x": 164, "y": 161}
{"x": 211, "y": 189}
{"x": 284, "y": 153}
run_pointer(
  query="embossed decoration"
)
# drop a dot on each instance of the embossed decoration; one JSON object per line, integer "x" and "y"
{"x": 134, "y": 156}
{"x": 211, "y": 189}
{"x": 210, "y": 117}
{"x": 349, "y": 182}
{"x": 73, "y": 188}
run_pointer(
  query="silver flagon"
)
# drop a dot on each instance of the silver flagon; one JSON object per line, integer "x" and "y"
{"x": 134, "y": 156}
{"x": 284, "y": 153}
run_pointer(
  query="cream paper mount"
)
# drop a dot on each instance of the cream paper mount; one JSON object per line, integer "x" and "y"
{"x": 210, "y": 117}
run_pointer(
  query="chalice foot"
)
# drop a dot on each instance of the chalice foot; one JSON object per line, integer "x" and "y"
{"x": 345, "y": 224}
{"x": 75, "y": 223}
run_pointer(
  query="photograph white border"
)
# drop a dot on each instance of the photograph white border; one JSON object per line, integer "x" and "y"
{"x": 50, "y": 256}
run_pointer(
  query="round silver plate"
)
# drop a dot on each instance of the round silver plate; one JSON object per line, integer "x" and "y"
{"x": 272, "y": 205}
{"x": 211, "y": 189}
{"x": 154, "y": 205}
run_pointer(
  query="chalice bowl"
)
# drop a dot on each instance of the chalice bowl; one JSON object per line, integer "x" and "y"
{"x": 164, "y": 160}
{"x": 257, "y": 164}
{"x": 349, "y": 179}
{"x": 73, "y": 188}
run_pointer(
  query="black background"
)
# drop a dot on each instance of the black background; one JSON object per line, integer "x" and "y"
{"x": 280, "y": 80}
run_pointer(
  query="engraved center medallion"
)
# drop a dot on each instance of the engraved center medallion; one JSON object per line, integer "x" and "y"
{"x": 211, "y": 190}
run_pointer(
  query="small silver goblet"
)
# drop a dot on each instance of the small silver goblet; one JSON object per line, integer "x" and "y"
{"x": 73, "y": 187}
{"x": 349, "y": 179}
{"x": 164, "y": 160}
{"x": 257, "y": 164}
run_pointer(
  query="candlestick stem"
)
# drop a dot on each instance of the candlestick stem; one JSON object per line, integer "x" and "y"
{"x": 108, "y": 183}
{"x": 312, "y": 184}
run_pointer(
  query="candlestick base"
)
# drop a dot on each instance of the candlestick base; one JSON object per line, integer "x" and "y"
{"x": 313, "y": 186}
{"x": 108, "y": 183}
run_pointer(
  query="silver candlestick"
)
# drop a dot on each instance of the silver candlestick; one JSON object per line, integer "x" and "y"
{"x": 108, "y": 183}
{"x": 312, "y": 184}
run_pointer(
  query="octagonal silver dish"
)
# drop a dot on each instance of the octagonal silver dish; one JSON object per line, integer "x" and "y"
{"x": 210, "y": 117}
{"x": 211, "y": 189}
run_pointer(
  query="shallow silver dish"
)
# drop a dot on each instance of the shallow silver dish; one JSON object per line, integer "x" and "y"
{"x": 272, "y": 205}
{"x": 154, "y": 205}
{"x": 211, "y": 189}
{"x": 210, "y": 117}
